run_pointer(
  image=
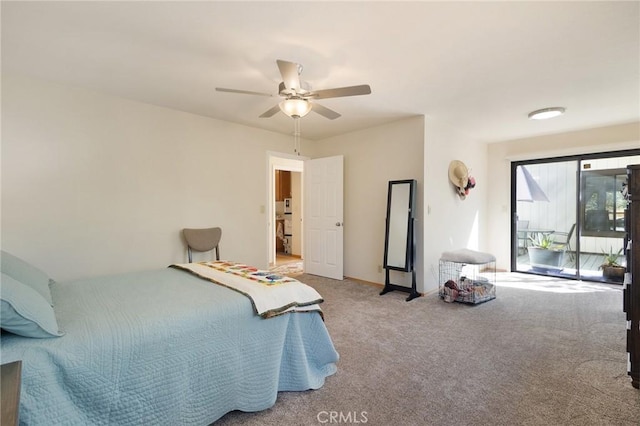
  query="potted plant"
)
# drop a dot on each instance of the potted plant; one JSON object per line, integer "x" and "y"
{"x": 611, "y": 269}
{"x": 545, "y": 253}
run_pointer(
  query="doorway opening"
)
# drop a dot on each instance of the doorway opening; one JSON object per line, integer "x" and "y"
{"x": 568, "y": 215}
{"x": 288, "y": 215}
{"x": 285, "y": 236}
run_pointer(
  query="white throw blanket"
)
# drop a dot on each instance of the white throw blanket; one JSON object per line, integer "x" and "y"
{"x": 271, "y": 294}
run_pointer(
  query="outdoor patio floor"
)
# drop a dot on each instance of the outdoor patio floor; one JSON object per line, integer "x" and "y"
{"x": 589, "y": 269}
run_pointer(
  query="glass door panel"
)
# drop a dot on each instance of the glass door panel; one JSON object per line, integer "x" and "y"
{"x": 545, "y": 220}
{"x": 601, "y": 208}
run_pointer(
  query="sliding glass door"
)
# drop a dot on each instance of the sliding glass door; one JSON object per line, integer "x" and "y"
{"x": 569, "y": 215}
{"x": 545, "y": 217}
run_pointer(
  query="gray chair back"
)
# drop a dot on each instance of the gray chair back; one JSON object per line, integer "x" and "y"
{"x": 202, "y": 240}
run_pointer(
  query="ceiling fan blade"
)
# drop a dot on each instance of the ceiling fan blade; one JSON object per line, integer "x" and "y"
{"x": 270, "y": 112}
{"x": 363, "y": 89}
{"x": 290, "y": 74}
{"x": 324, "y": 111}
{"x": 244, "y": 92}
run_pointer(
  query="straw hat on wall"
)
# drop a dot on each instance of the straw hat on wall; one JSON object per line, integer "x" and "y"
{"x": 458, "y": 174}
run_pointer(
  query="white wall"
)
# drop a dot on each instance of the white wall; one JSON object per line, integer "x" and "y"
{"x": 93, "y": 184}
{"x": 418, "y": 148}
{"x": 372, "y": 158}
{"x": 450, "y": 222}
{"x": 604, "y": 139}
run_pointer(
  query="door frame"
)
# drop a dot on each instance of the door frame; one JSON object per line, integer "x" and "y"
{"x": 279, "y": 161}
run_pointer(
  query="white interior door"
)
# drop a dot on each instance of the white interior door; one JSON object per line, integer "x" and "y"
{"x": 323, "y": 217}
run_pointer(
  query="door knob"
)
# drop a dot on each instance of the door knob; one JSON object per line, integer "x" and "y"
{"x": 338, "y": 223}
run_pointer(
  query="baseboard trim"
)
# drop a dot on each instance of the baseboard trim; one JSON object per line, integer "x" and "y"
{"x": 378, "y": 285}
{"x": 370, "y": 283}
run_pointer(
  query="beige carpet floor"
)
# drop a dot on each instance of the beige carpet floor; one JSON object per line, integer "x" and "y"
{"x": 544, "y": 352}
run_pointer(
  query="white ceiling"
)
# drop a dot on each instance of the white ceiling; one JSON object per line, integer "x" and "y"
{"x": 480, "y": 66}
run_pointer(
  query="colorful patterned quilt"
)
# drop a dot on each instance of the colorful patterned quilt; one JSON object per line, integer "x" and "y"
{"x": 270, "y": 294}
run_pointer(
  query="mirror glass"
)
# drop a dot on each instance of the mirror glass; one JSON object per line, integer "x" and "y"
{"x": 398, "y": 242}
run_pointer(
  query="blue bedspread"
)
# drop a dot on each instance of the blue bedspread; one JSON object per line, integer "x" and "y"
{"x": 164, "y": 348}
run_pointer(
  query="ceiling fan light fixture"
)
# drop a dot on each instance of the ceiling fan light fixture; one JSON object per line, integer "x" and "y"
{"x": 295, "y": 108}
{"x": 296, "y": 94}
{"x": 545, "y": 113}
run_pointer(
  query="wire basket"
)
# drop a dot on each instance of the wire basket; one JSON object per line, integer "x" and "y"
{"x": 467, "y": 283}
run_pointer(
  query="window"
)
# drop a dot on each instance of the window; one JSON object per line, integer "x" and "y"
{"x": 602, "y": 204}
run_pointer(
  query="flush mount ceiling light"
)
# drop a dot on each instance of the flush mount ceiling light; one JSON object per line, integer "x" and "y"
{"x": 295, "y": 107}
{"x": 543, "y": 114}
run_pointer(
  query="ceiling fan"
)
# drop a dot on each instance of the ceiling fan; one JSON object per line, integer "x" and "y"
{"x": 298, "y": 94}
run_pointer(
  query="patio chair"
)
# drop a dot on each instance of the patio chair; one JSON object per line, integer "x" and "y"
{"x": 523, "y": 236}
{"x": 563, "y": 240}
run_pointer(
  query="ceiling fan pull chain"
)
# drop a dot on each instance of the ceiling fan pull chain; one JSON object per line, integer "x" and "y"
{"x": 296, "y": 136}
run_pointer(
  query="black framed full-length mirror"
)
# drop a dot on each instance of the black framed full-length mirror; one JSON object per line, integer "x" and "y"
{"x": 399, "y": 237}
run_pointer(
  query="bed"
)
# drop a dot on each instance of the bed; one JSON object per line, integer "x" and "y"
{"x": 162, "y": 347}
